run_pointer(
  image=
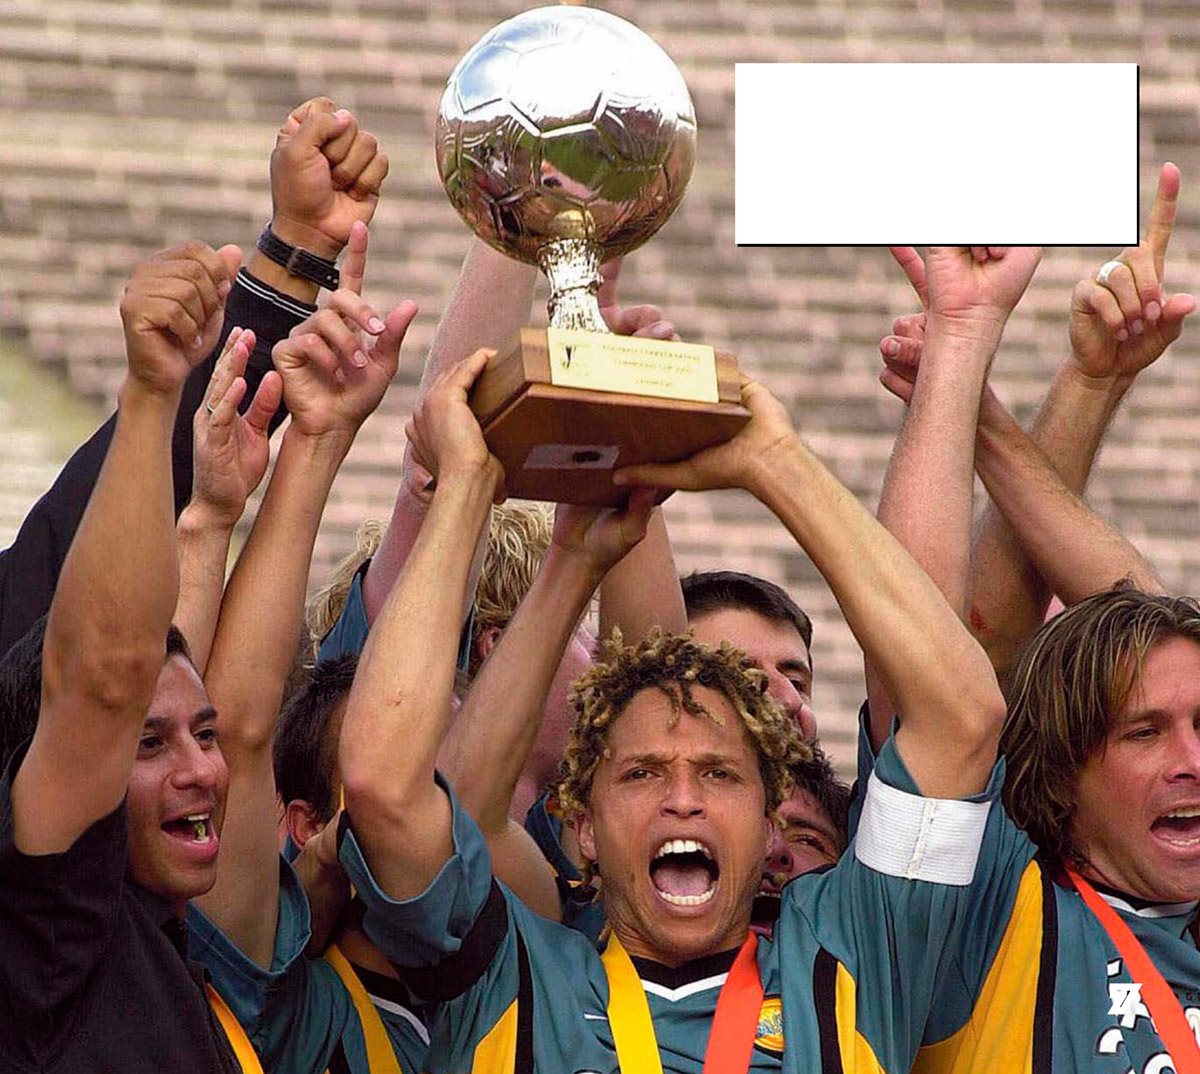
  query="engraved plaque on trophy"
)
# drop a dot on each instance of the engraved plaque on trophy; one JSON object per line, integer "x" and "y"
{"x": 566, "y": 137}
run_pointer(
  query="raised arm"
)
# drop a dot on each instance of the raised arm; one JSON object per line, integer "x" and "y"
{"x": 335, "y": 368}
{"x": 926, "y": 501}
{"x": 399, "y": 707}
{"x": 940, "y": 679}
{"x": 489, "y": 743}
{"x": 489, "y": 305}
{"x": 1059, "y": 544}
{"x": 642, "y": 589}
{"x": 231, "y": 453}
{"x": 1117, "y": 330}
{"x": 1113, "y": 338}
{"x": 306, "y": 198}
{"x": 1072, "y": 548}
{"x": 106, "y": 633}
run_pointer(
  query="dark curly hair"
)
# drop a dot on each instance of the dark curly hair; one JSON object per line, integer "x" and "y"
{"x": 675, "y": 664}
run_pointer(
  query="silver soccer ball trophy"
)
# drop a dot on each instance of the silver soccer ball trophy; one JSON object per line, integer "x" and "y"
{"x": 565, "y": 137}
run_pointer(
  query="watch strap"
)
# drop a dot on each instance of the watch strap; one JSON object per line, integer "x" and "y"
{"x": 298, "y": 261}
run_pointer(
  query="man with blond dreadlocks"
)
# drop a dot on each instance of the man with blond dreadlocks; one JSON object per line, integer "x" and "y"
{"x": 677, "y": 761}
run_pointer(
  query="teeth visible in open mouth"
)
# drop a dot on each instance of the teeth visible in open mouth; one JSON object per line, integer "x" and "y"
{"x": 687, "y": 900}
{"x": 1184, "y": 814}
{"x": 683, "y": 846}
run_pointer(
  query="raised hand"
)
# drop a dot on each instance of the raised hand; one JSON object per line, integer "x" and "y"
{"x": 337, "y": 364}
{"x": 443, "y": 431}
{"x": 645, "y": 320}
{"x": 172, "y": 311}
{"x": 969, "y": 288}
{"x": 326, "y": 174}
{"x": 738, "y": 463}
{"x": 1121, "y": 326}
{"x": 232, "y": 449}
{"x": 603, "y": 536}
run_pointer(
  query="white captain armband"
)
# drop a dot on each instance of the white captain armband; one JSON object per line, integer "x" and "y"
{"x": 915, "y": 838}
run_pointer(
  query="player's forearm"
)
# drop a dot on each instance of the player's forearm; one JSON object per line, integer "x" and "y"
{"x": 203, "y": 554}
{"x": 1009, "y": 595}
{"x": 263, "y": 608}
{"x": 252, "y": 657}
{"x": 489, "y": 305}
{"x": 1071, "y": 547}
{"x": 487, "y": 747}
{"x": 1072, "y": 421}
{"x": 939, "y": 678}
{"x": 399, "y": 706}
{"x": 519, "y": 864}
{"x": 117, "y": 592}
{"x": 408, "y": 515}
{"x": 926, "y": 502}
{"x": 927, "y": 492}
{"x": 642, "y": 591}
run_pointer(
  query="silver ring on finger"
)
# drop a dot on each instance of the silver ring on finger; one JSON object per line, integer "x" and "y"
{"x": 210, "y": 408}
{"x": 1106, "y": 270}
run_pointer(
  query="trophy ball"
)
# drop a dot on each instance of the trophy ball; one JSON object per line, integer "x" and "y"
{"x": 565, "y": 123}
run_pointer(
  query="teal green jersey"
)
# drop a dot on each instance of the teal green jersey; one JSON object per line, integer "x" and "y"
{"x": 1037, "y": 986}
{"x": 299, "y": 1015}
{"x": 848, "y": 978}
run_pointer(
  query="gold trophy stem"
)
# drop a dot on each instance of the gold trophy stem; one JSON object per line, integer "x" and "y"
{"x": 572, "y": 267}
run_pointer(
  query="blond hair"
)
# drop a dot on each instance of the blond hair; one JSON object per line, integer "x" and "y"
{"x": 1071, "y": 681}
{"x": 517, "y": 541}
{"x": 675, "y": 664}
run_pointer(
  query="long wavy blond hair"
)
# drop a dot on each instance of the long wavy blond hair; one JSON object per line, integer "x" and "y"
{"x": 517, "y": 542}
{"x": 676, "y": 664}
{"x": 1071, "y": 681}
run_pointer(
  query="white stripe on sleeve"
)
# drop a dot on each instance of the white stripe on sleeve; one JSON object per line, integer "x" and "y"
{"x": 915, "y": 838}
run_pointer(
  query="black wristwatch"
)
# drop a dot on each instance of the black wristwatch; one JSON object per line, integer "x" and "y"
{"x": 300, "y": 262}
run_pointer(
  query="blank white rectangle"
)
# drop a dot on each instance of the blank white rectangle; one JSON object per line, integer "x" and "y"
{"x": 907, "y": 154}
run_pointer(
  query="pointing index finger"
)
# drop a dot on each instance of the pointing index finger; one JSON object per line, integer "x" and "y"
{"x": 354, "y": 267}
{"x": 1162, "y": 215}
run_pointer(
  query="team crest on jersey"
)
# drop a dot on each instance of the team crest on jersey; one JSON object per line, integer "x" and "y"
{"x": 769, "y": 1034}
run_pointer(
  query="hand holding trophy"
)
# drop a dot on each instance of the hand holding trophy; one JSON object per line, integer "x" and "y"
{"x": 566, "y": 137}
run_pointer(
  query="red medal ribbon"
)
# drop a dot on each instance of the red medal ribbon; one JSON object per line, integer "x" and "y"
{"x": 735, "y": 1023}
{"x": 1164, "y": 1006}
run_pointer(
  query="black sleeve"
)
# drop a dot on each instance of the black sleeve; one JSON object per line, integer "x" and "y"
{"x": 29, "y": 569}
{"x": 58, "y": 913}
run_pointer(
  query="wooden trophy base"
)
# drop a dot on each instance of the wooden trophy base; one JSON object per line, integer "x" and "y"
{"x": 562, "y": 442}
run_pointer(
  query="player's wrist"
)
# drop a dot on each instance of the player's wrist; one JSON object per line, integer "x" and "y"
{"x": 469, "y": 475}
{"x": 306, "y": 236}
{"x": 981, "y": 328}
{"x": 151, "y": 389}
{"x": 206, "y": 516}
{"x": 578, "y": 564}
{"x": 1090, "y": 389}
